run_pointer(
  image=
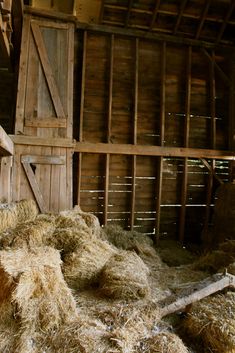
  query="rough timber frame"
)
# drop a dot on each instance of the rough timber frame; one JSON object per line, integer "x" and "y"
{"x": 132, "y": 149}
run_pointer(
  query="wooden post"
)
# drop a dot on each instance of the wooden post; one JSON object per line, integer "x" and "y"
{"x": 82, "y": 115}
{"x": 134, "y": 158}
{"x": 110, "y": 106}
{"x": 186, "y": 143}
{"x": 162, "y": 134}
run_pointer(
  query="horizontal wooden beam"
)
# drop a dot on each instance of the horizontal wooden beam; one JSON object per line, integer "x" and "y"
{"x": 6, "y": 144}
{"x": 58, "y": 160}
{"x": 128, "y": 32}
{"x": 49, "y": 14}
{"x": 144, "y": 150}
{"x": 46, "y": 122}
{"x": 39, "y": 141}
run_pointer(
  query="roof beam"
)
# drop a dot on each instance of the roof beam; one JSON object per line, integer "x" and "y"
{"x": 227, "y": 17}
{"x": 203, "y": 18}
{"x": 183, "y": 4}
{"x": 155, "y": 13}
{"x": 130, "y": 32}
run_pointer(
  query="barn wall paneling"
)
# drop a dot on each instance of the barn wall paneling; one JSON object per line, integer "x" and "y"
{"x": 150, "y": 94}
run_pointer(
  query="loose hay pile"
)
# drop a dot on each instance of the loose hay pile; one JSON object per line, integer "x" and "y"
{"x": 213, "y": 320}
{"x": 117, "y": 279}
{"x": 163, "y": 342}
{"x": 125, "y": 276}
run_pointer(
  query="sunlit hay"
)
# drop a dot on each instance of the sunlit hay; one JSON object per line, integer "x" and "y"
{"x": 84, "y": 335}
{"x": 82, "y": 220}
{"x": 213, "y": 320}
{"x": 131, "y": 324}
{"x": 213, "y": 261}
{"x": 69, "y": 239}
{"x": 163, "y": 342}
{"x": 125, "y": 276}
{"x": 26, "y": 210}
{"x": 41, "y": 295}
{"x": 30, "y": 234}
{"x": 82, "y": 267}
{"x": 129, "y": 240}
{"x": 8, "y": 216}
{"x": 90, "y": 219}
{"x": 174, "y": 254}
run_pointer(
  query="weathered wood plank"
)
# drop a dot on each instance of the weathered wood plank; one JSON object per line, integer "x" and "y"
{"x": 46, "y": 122}
{"x": 144, "y": 150}
{"x": 6, "y": 144}
{"x": 60, "y": 160}
{"x": 34, "y": 185}
{"x": 40, "y": 141}
{"x": 47, "y": 69}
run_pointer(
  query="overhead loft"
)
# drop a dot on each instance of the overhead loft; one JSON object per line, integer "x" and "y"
{"x": 211, "y": 21}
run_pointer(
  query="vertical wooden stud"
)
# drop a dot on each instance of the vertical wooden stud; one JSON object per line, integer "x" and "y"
{"x": 213, "y": 142}
{"x": 110, "y": 107}
{"x": 186, "y": 143}
{"x": 83, "y": 86}
{"x": 134, "y": 158}
{"x": 79, "y": 178}
{"x": 20, "y": 104}
{"x": 162, "y": 135}
{"x": 212, "y": 99}
{"x": 82, "y": 115}
{"x": 70, "y": 80}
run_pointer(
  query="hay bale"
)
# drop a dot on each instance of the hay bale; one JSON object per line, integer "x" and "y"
{"x": 68, "y": 240}
{"x": 82, "y": 267}
{"x": 41, "y": 295}
{"x": 13, "y": 213}
{"x": 125, "y": 276}
{"x": 163, "y": 342}
{"x": 213, "y": 320}
{"x": 79, "y": 219}
{"x": 30, "y": 234}
{"x": 8, "y": 216}
{"x": 26, "y": 210}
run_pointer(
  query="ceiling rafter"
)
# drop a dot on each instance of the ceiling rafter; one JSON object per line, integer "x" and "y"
{"x": 227, "y": 17}
{"x": 183, "y": 5}
{"x": 203, "y": 18}
{"x": 155, "y": 13}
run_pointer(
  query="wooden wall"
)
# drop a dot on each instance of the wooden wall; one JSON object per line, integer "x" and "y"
{"x": 148, "y": 142}
{"x": 149, "y": 93}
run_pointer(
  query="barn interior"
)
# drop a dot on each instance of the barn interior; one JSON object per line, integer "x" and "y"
{"x": 117, "y": 191}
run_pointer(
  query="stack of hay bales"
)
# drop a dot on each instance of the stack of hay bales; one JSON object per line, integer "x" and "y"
{"x": 34, "y": 293}
{"x": 212, "y": 320}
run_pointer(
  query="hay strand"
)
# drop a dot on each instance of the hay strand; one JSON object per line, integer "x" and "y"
{"x": 163, "y": 342}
